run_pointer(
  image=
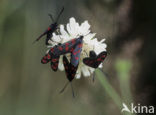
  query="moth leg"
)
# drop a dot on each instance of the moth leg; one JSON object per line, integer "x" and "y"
{"x": 72, "y": 90}
{"x": 93, "y": 76}
{"x": 64, "y": 87}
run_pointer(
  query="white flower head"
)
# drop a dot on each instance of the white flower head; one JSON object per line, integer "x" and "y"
{"x": 74, "y": 30}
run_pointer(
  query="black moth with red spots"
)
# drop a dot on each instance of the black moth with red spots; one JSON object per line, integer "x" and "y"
{"x": 95, "y": 60}
{"x": 52, "y": 28}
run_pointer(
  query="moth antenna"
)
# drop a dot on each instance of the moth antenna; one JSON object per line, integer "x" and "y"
{"x": 64, "y": 87}
{"x": 59, "y": 14}
{"x": 72, "y": 90}
{"x": 36, "y": 40}
{"x": 51, "y": 17}
{"x": 40, "y": 37}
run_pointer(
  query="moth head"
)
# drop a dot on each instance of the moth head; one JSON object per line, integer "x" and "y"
{"x": 81, "y": 37}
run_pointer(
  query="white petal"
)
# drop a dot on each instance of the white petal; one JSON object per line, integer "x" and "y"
{"x": 78, "y": 74}
{"x": 84, "y": 28}
{"x": 90, "y": 36}
{"x": 51, "y": 44}
{"x": 60, "y": 65}
{"x": 102, "y": 40}
{"x": 47, "y": 51}
{"x": 85, "y": 71}
{"x": 56, "y": 38}
{"x": 91, "y": 70}
{"x": 100, "y": 66}
{"x": 62, "y": 31}
{"x": 72, "y": 27}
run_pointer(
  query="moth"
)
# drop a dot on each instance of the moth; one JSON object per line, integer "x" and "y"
{"x": 94, "y": 60}
{"x": 51, "y": 29}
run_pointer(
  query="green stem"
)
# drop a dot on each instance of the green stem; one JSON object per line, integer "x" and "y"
{"x": 109, "y": 89}
{"x": 123, "y": 68}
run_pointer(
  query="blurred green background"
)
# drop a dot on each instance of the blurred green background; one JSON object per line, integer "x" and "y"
{"x": 29, "y": 88}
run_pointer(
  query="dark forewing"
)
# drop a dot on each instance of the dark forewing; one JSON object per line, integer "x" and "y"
{"x": 69, "y": 69}
{"x": 94, "y": 62}
{"x": 75, "y": 55}
{"x": 66, "y": 65}
{"x": 89, "y": 61}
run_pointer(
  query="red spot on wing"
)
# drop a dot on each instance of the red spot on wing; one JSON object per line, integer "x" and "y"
{"x": 74, "y": 53}
{"x": 99, "y": 59}
{"x": 48, "y": 56}
{"x": 80, "y": 45}
{"x": 76, "y": 58}
{"x": 67, "y": 48}
{"x": 54, "y": 67}
{"x": 60, "y": 48}
{"x": 45, "y": 57}
{"x": 73, "y": 41}
{"x": 72, "y": 49}
{"x": 56, "y": 64}
{"x": 78, "y": 51}
{"x": 67, "y": 44}
{"x": 49, "y": 28}
{"x": 52, "y": 50}
{"x": 44, "y": 61}
{"x": 54, "y": 60}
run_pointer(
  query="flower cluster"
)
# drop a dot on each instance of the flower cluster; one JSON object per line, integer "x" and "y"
{"x": 90, "y": 42}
